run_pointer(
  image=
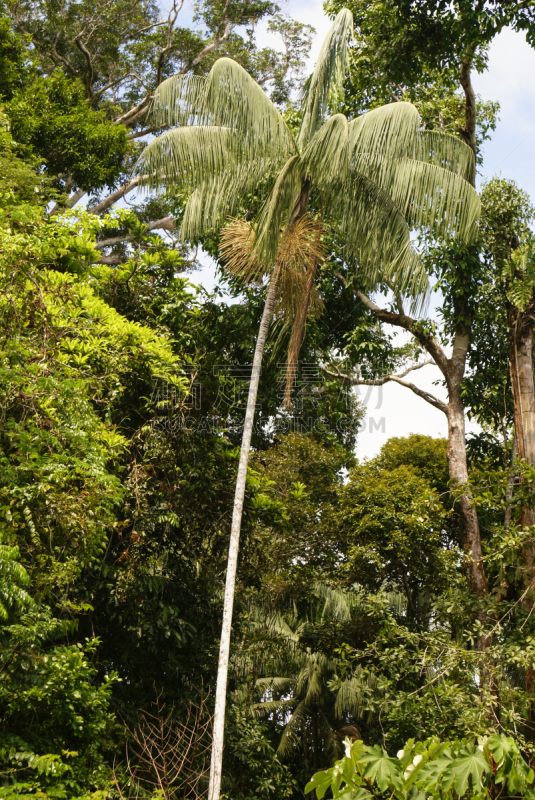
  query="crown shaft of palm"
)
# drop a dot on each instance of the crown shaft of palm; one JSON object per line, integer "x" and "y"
{"x": 379, "y": 175}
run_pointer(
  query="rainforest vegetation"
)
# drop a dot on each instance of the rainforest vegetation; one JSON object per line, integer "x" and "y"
{"x": 195, "y": 563}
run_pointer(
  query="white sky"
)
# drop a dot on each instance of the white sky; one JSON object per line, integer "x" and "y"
{"x": 394, "y": 410}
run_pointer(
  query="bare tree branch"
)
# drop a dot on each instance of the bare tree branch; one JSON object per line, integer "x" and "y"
{"x": 114, "y": 196}
{"x": 425, "y": 338}
{"x": 352, "y": 380}
{"x": 166, "y": 755}
{"x": 143, "y": 132}
{"x": 166, "y": 223}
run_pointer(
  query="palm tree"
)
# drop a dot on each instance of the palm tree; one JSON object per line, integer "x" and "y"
{"x": 378, "y": 176}
{"x": 294, "y": 681}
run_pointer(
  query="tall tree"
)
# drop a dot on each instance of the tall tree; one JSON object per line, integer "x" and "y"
{"x": 377, "y": 176}
{"x": 404, "y": 48}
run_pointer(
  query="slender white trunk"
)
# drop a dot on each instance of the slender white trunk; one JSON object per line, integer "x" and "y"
{"x": 232, "y": 563}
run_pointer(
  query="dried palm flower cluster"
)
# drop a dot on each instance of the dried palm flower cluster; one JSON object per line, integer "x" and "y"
{"x": 299, "y": 254}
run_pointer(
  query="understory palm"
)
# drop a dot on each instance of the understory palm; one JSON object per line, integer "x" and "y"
{"x": 378, "y": 177}
{"x": 293, "y": 677}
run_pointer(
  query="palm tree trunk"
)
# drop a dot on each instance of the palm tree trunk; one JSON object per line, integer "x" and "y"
{"x": 216, "y": 764}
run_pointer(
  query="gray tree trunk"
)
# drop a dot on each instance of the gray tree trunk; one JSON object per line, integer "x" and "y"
{"x": 458, "y": 466}
{"x": 216, "y": 764}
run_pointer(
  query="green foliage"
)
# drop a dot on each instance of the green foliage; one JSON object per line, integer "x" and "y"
{"x": 53, "y": 122}
{"x": 432, "y": 768}
{"x": 13, "y": 577}
{"x": 120, "y": 420}
{"x": 424, "y": 454}
{"x": 507, "y": 215}
{"x": 56, "y": 716}
{"x": 393, "y": 528}
{"x": 14, "y": 66}
{"x": 520, "y": 271}
{"x": 255, "y": 772}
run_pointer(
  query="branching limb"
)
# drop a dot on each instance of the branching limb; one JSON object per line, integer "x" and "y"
{"x": 409, "y": 324}
{"x": 113, "y": 83}
{"x": 353, "y": 380}
{"x": 59, "y": 59}
{"x": 71, "y": 202}
{"x": 144, "y": 132}
{"x": 166, "y": 223}
{"x": 136, "y": 111}
{"x": 114, "y": 196}
{"x": 141, "y": 109}
{"x": 87, "y": 55}
{"x": 169, "y": 44}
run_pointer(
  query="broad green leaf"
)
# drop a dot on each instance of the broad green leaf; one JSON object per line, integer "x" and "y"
{"x": 467, "y": 772}
{"x": 382, "y": 769}
{"x": 320, "y": 782}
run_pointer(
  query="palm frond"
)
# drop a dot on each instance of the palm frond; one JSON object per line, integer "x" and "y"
{"x": 447, "y": 151}
{"x": 434, "y": 197}
{"x": 277, "y": 210}
{"x": 338, "y": 604}
{"x": 280, "y": 684}
{"x": 290, "y": 737}
{"x": 271, "y": 707}
{"x": 179, "y": 100}
{"x": 183, "y": 158}
{"x": 235, "y": 99}
{"x": 326, "y": 154}
{"x": 377, "y": 237}
{"x": 355, "y": 693}
{"x": 328, "y": 75}
{"x": 227, "y": 97}
{"x": 388, "y": 131}
{"x": 216, "y": 199}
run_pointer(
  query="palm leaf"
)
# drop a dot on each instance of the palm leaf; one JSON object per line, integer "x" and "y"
{"x": 445, "y": 151}
{"x": 328, "y": 75}
{"x": 277, "y": 210}
{"x": 376, "y": 236}
{"x": 181, "y": 159}
{"x": 227, "y": 97}
{"x": 179, "y": 100}
{"x": 326, "y": 155}
{"x": 338, "y": 604}
{"x": 215, "y": 200}
{"x": 290, "y": 736}
{"x": 434, "y": 197}
{"x": 386, "y": 131}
